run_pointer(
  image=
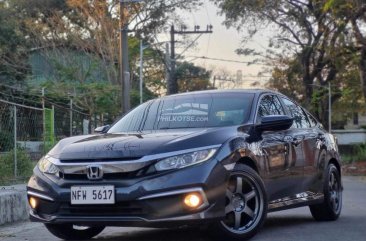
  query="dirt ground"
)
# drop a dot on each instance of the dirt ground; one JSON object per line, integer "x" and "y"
{"x": 356, "y": 169}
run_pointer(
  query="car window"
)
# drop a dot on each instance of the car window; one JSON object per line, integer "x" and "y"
{"x": 300, "y": 118}
{"x": 312, "y": 120}
{"x": 269, "y": 105}
{"x": 188, "y": 111}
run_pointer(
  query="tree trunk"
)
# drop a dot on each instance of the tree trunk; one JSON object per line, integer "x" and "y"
{"x": 362, "y": 69}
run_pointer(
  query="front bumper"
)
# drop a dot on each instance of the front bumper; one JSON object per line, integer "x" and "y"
{"x": 153, "y": 201}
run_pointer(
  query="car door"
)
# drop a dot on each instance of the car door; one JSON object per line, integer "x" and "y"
{"x": 275, "y": 149}
{"x": 300, "y": 138}
{"x": 315, "y": 138}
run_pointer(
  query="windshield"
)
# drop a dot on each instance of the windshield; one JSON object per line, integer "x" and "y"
{"x": 187, "y": 111}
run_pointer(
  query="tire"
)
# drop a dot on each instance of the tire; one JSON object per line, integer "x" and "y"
{"x": 246, "y": 206}
{"x": 70, "y": 232}
{"x": 331, "y": 208}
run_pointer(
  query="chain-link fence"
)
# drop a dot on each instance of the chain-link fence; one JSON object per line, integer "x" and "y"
{"x": 27, "y": 133}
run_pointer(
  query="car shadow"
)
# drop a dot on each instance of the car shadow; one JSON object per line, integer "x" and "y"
{"x": 195, "y": 234}
{"x": 181, "y": 234}
{"x": 287, "y": 221}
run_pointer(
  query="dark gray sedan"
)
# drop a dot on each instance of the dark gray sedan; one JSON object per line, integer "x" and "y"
{"x": 218, "y": 159}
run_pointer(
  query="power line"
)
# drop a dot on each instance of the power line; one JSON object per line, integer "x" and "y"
{"x": 172, "y": 83}
{"x": 190, "y": 45}
{"x": 224, "y": 60}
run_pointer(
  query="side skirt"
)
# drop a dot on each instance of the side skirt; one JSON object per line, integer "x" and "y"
{"x": 299, "y": 200}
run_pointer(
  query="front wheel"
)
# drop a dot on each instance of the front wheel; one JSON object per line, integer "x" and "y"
{"x": 246, "y": 206}
{"x": 73, "y": 232}
{"x": 331, "y": 208}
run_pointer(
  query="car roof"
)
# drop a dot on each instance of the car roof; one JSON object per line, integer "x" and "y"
{"x": 247, "y": 91}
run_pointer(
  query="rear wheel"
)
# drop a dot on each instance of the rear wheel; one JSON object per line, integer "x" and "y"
{"x": 73, "y": 232}
{"x": 331, "y": 208}
{"x": 246, "y": 206}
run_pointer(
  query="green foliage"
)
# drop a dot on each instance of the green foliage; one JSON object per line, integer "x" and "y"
{"x": 6, "y": 140}
{"x": 96, "y": 98}
{"x": 286, "y": 77}
{"x": 135, "y": 96}
{"x": 328, "y": 5}
{"x": 192, "y": 78}
{"x": 24, "y": 166}
{"x": 13, "y": 65}
{"x": 358, "y": 154}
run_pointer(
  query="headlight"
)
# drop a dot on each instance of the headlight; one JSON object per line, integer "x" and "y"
{"x": 185, "y": 160}
{"x": 46, "y": 166}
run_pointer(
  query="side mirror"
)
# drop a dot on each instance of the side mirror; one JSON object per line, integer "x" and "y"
{"x": 102, "y": 129}
{"x": 275, "y": 123}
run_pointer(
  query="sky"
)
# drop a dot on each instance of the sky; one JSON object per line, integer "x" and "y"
{"x": 221, "y": 44}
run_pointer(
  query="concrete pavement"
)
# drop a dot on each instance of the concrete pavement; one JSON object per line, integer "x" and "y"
{"x": 296, "y": 224}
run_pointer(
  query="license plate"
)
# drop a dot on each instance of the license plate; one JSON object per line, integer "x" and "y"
{"x": 92, "y": 195}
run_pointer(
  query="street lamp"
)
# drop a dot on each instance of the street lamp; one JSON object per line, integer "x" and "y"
{"x": 329, "y": 104}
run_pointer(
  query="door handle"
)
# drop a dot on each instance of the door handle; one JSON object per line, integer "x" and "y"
{"x": 321, "y": 137}
{"x": 297, "y": 140}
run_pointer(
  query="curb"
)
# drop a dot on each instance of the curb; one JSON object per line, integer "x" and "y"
{"x": 13, "y": 205}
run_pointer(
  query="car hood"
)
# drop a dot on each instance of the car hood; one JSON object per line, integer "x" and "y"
{"x": 130, "y": 146}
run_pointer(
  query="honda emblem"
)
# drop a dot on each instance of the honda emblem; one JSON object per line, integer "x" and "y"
{"x": 94, "y": 172}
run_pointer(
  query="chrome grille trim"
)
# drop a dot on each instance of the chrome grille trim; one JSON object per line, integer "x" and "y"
{"x": 121, "y": 166}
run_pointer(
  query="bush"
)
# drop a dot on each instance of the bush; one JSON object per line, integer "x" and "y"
{"x": 24, "y": 166}
{"x": 6, "y": 141}
{"x": 358, "y": 153}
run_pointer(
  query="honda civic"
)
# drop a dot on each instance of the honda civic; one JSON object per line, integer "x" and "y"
{"x": 218, "y": 159}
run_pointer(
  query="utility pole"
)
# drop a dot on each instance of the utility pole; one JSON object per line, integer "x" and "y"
{"x": 44, "y": 119}
{"x": 167, "y": 65}
{"x": 124, "y": 68}
{"x": 71, "y": 106}
{"x": 172, "y": 83}
{"x": 141, "y": 69}
{"x": 15, "y": 143}
{"x": 123, "y": 62}
{"x": 142, "y": 48}
{"x": 330, "y": 107}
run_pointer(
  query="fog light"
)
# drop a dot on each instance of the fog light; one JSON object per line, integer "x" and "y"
{"x": 33, "y": 202}
{"x": 193, "y": 200}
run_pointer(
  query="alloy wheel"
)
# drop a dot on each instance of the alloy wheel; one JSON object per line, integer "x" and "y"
{"x": 244, "y": 204}
{"x": 334, "y": 192}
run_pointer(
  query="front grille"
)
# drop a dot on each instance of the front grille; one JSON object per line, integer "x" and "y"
{"x": 121, "y": 159}
{"x": 118, "y": 209}
{"x": 106, "y": 176}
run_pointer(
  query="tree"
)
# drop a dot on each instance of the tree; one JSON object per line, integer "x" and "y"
{"x": 286, "y": 76}
{"x": 62, "y": 29}
{"x": 307, "y": 33}
{"x": 192, "y": 78}
{"x": 355, "y": 12}
{"x": 92, "y": 26}
{"x": 13, "y": 64}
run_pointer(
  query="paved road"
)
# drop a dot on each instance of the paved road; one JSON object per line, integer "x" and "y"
{"x": 296, "y": 224}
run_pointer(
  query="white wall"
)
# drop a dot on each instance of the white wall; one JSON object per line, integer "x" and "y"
{"x": 349, "y": 137}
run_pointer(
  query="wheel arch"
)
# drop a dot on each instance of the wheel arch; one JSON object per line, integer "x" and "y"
{"x": 336, "y": 163}
{"x": 249, "y": 162}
